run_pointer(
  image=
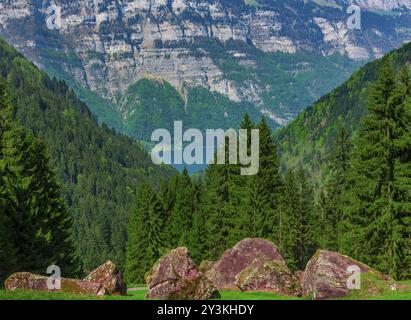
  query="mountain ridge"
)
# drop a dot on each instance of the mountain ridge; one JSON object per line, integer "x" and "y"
{"x": 221, "y": 45}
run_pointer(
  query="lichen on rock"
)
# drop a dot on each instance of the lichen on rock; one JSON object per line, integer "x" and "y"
{"x": 266, "y": 274}
{"x": 176, "y": 277}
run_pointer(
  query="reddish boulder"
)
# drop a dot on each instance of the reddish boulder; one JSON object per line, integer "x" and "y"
{"x": 235, "y": 260}
{"x": 110, "y": 278}
{"x": 266, "y": 274}
{"x": 175, "y": 277}
{"x": 327, "y": 273}
{"x": 31, "y": 281}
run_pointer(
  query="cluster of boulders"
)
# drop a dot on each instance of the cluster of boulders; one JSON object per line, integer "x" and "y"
{"x": 105, "y": 280}
{"x": 253, "y": 265}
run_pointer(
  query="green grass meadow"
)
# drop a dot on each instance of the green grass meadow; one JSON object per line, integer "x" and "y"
{"x": 403, "y": 292}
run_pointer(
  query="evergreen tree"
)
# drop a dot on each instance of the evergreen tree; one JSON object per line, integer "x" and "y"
{"x": 197, "y": 235}
{"x": 331, "y": 199}
{"x": 242, "y": 194}
{"x": 300, "y": 222}
{"x": 144, "y": 244}
{"x": 377, "y": 229}
{"x": 7, "y": 250}
{"x": 266, "y": 188}
{"x": 218, "y": 209}
{"x": 167, "y": 197}
{"x": 181, "y": 218}
{"x": 34, "y": 215}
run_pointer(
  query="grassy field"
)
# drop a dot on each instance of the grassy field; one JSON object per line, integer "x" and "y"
{"x": 403, "y": 292}
{"x": 132, "y": 295}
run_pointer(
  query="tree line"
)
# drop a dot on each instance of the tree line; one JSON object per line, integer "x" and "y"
{"x": 363, "y": 209}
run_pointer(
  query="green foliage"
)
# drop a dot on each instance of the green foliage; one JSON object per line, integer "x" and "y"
{"x": 299, "y": 223}
{"x": 36, "y": 227}
{"x": 151, "y": 105}
{"x": 332, "y": 202}
{"x": 378, "y": 225}
{"x": 308, "y": 140}
{"x": 154, "y": 104}
{"x": 181, "y": 216}
{"x": 98, "y": 170}
{"x": 144, "y": 246}
{"x": 212, "y": 214}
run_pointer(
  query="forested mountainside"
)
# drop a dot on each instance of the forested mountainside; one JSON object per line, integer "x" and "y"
{"x": 308, "y": 140}
{"x": 270, "y": 57}
{"x": 362, "y": 209}
{"x": 98, "y": 169}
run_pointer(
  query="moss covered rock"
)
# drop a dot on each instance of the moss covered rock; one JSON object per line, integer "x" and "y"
{"x": 266, "y": 274}
{"x": 206, "y": 266}
{"x": 176, "y": 277}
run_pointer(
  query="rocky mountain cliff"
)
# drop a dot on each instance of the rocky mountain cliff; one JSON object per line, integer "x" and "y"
{"x": 246, "y": 51}
{"x": 383, "y": 4}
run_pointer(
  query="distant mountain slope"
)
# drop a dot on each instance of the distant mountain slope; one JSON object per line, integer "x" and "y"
{"x": 99, "y": 170}
{"x": 307, "y": 139}
{"x": 277, "y": 56}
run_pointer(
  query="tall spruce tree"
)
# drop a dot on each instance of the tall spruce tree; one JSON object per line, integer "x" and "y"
{"x": 144, "y": 244}
{"x": 181, "y": 217}
{"x": 167, "y": 197}
{"x": 266, "y": 188}
{"x": 331, "y": 200}
{"x": 243, "y": 193}
{"x": 197, "y": 235}
{"x": 300, "y": 222}
{"x": 218, "y": 208}
{"x": 377, "y": 228}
